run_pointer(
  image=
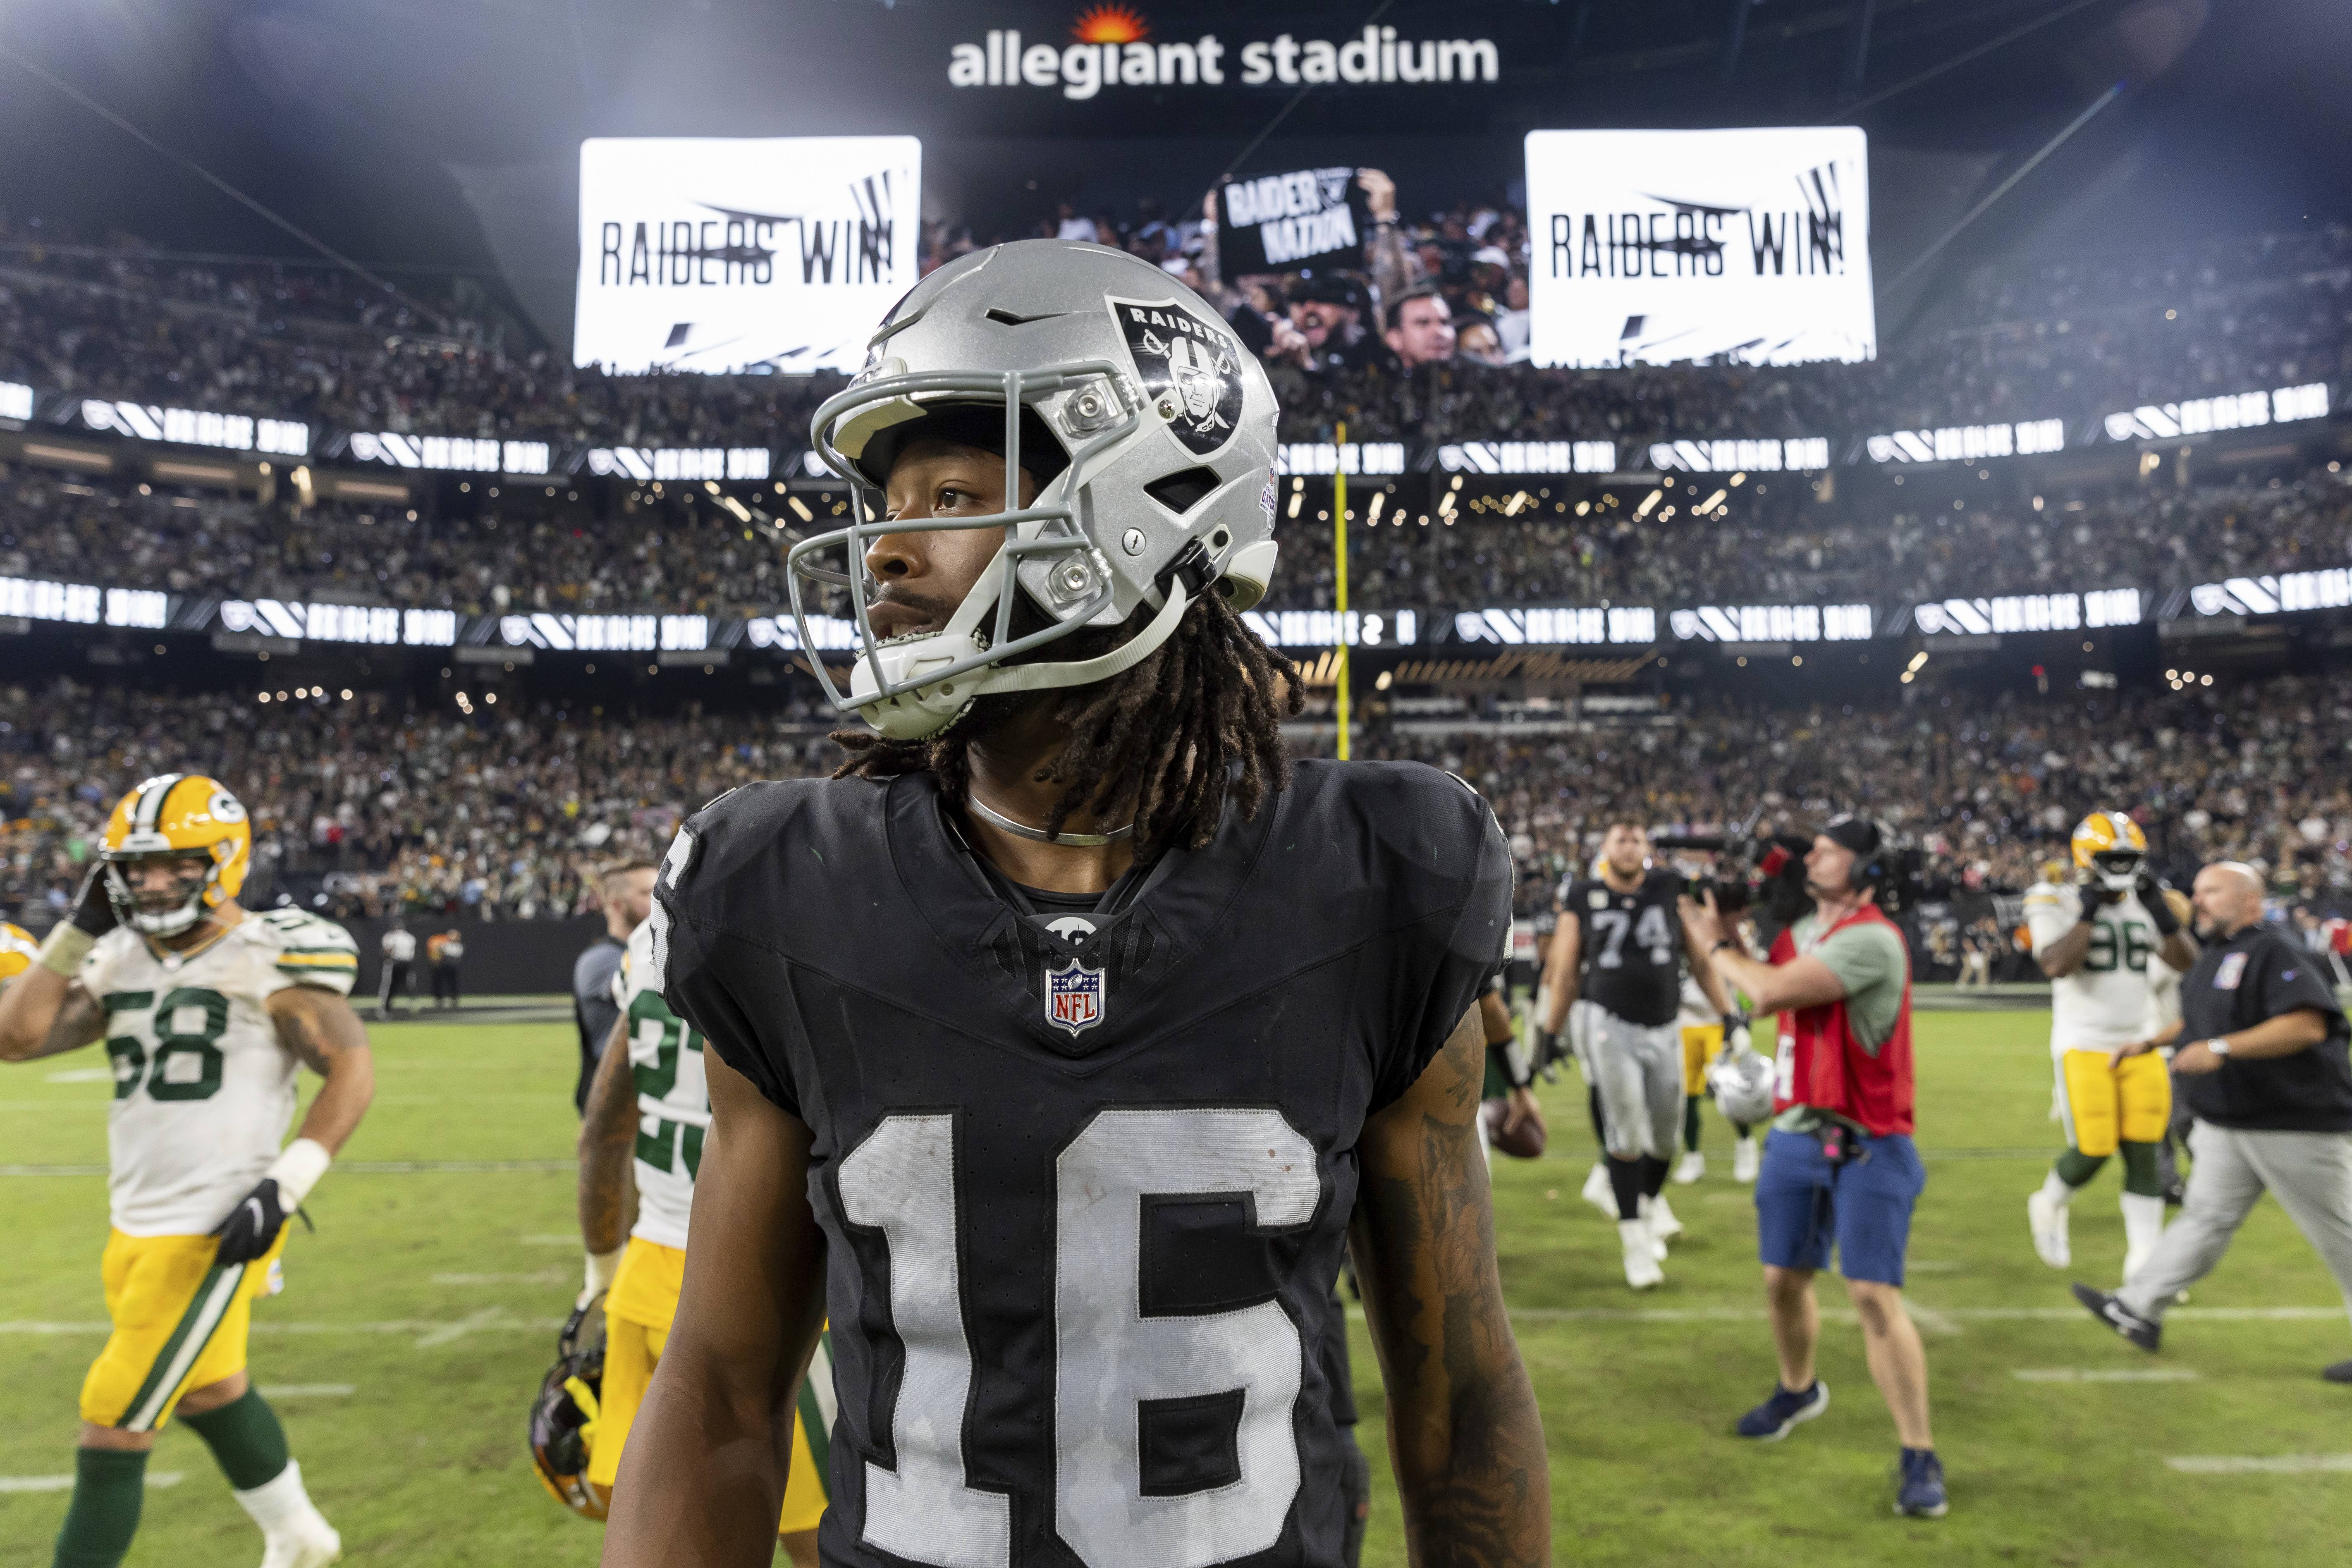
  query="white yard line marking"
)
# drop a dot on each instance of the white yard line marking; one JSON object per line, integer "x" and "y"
{"x": 309, "y": 1391}
{"x": 65, "y": 1483}
{"x": 450, "y": 1333}
{"x": 2102, "y": 1374}
{"x": 543, "y": 1277}
{"x": 81, "y": 1075}
{"x": 1929, "y": 1319}
{"x": 1938, "y": 1266}
{"x": 2259, "y": 1464}
{"x": 347, "y": 1167}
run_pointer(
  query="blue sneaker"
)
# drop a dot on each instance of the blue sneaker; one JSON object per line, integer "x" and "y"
{"x": 1920, "y": 1491}
{"x": 1770, "y": 1421}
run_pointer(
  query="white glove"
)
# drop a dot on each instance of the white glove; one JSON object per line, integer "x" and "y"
{"x": 598, "y": 1275}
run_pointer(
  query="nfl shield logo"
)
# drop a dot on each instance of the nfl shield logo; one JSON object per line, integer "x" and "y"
{"x": 1074, "y": 997}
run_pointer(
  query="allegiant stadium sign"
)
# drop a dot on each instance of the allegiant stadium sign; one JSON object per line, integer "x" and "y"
{"x": 1112, "y": 48}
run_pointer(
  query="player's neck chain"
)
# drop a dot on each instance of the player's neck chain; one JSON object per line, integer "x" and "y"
{"x": 1038, "y": 835}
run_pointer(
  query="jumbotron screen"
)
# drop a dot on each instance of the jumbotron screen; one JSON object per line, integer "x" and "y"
{"x": 719, "y": 255}
{"x": 1748, "y": 245}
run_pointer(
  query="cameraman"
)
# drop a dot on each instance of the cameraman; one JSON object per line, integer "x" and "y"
{"x": 1839, "y": 1166}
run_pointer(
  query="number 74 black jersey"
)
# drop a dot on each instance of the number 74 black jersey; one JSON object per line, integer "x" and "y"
{"x": 1085, "y": 1180}
{"x": 1630, "y": 961}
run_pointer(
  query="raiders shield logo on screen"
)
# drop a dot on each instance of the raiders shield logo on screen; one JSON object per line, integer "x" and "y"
{"x": 1180, "y": 357}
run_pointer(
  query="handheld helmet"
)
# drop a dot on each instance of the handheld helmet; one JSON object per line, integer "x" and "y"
{"x": 1146, "y": 426}
{"x": 2109, "y": 847}
{"x": 176, "y": 817}
{"x": 18, "y": 952}
{"x": 1742, "y": 1077}
{"x": 563, "y": 1417}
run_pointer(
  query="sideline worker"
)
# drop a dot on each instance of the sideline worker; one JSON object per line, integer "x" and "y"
{"x": 2267, "y": 1074}
{"x": 1839, "y": 1165}
{"x": 626, "y": 889}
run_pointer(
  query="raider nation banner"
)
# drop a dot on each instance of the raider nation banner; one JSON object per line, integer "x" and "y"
{"x": 709, "y": 254}
{"x": 1272, "y": 223}
{"x": 1746, "y": 247}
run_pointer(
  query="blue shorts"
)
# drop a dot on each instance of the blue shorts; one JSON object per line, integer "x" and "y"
{"x": 1804, "y": 1202}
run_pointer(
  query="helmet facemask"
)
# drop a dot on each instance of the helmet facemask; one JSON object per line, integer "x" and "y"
{"x": 164, "y": 913}
{"x": 2116, "y": 870}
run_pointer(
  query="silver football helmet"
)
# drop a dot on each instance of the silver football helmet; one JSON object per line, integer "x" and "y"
{"x": 1160, "y": 434}
{"x": 1742, "y": 1077}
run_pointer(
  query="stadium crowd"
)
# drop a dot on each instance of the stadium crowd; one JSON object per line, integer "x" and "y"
{"x": 505, "y": 813}
{"x": 1770, "y": 542}
{"x": 2074, "y": 338}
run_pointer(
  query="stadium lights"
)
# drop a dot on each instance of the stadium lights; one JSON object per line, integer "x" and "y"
{"x": 2210, "y": 416}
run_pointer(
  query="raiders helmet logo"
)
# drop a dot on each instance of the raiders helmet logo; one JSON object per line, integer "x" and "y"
{"x": 1187, "y": 366}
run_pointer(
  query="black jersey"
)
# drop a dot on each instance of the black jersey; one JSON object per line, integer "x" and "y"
{"x": 1085, "y": 1190}
{"x": 1630, "y": 961}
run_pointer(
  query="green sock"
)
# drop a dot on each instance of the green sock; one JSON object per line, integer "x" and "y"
{"x": 109, "y": 1486}
{"x": 245, "y": 1439}
{"x": 1690, "y": 1122}
{"x": 2139, "y": 1169}
{"x": 2075, "y": 1168}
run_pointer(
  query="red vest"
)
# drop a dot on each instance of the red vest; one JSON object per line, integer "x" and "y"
{"x": 1822, "y": 1065}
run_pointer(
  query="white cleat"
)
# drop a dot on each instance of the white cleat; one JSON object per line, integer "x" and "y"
{"x": 1745, "y": 1161}
{"x": 1642, "y": 1256}
{"x": 1660, "y": 1218}
{"x": 313, "y": 1546}
{"x": 2048, "y": 1221}
{"x": 1597, "y": 1192}
{"x": 1689, "y": 1168}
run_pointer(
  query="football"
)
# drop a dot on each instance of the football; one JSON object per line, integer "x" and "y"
{"x": 1524, "y": 1141}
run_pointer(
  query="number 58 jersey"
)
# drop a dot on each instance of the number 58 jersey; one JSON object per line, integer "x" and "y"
{"x": 203, "y": 1089}
{"x": 1085, "y": 1179}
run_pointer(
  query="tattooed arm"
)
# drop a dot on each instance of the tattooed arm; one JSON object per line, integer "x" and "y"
{"x": 319, "y": 1028}
{"x": 43, "y": 1012}
{"x": 608, "y": 1136}
{"x": 1464, "y": 1433}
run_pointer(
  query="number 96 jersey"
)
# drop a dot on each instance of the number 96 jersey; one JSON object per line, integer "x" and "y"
{"x": 203, "y": 1087}
{"x": 1084, "y": 1177}
{"x": 2107, "y": 1000}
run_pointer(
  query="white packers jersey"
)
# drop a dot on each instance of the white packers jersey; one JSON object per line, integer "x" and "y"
{"x": 1697, "y": 1012}
{"x": 203, "y": 1087}
{"x": 673, "y": 1097}
{"x": 2105, "y": 1000}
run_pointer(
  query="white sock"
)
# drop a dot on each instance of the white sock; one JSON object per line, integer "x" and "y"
{"x": 279, "y": 1504}
{"x": 2058, "y": 1192}
{"x": 2143, "y": 1221}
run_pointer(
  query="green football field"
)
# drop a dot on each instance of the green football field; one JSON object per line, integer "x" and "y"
{"x": 417, "y": 1322}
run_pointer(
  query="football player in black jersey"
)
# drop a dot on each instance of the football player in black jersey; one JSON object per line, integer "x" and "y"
{"x": 1060, "y": 1044}
{"x": 1615, "y": 978}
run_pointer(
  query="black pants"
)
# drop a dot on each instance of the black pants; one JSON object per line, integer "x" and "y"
{"x": 1357, "y": 1480}
{"x": 396, "y": 984}
{"x": 445, "y": 983}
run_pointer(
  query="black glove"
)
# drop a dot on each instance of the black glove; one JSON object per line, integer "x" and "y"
{"x": 91, "y": 909}
{"x": 2097, "y": 896}
{"x": 252, "y": 1225}
{"x": 1551, "y": 1050}
{"x": 2159, "y": 908}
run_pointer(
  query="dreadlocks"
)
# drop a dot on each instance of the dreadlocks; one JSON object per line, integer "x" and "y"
{"x": 1165, "y": 732}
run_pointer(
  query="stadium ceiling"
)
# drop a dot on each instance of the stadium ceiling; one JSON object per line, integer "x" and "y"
{"x": 404, "y": 136}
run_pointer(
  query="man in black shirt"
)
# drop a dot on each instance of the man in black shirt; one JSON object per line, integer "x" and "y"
{"x": 2266, "y": 1073}
{"x": 626, "y": 887}
{"x": 1615, "y": 976}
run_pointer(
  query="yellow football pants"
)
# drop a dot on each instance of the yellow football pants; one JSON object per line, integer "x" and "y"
{"x": 2102, "y": 1103}
{"x": 638, "y": 1312}
{"x": 1700, "y": 1044}
{"x": 179, "y": 1322}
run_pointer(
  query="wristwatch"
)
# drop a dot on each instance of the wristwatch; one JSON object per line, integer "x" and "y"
{"x": 2220, "y": 1046}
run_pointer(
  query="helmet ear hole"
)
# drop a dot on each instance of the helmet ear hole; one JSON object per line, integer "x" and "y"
{"x": 1180, "y": 491}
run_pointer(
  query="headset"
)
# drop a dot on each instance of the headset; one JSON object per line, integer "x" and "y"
{"x": 1869, "y": 871}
